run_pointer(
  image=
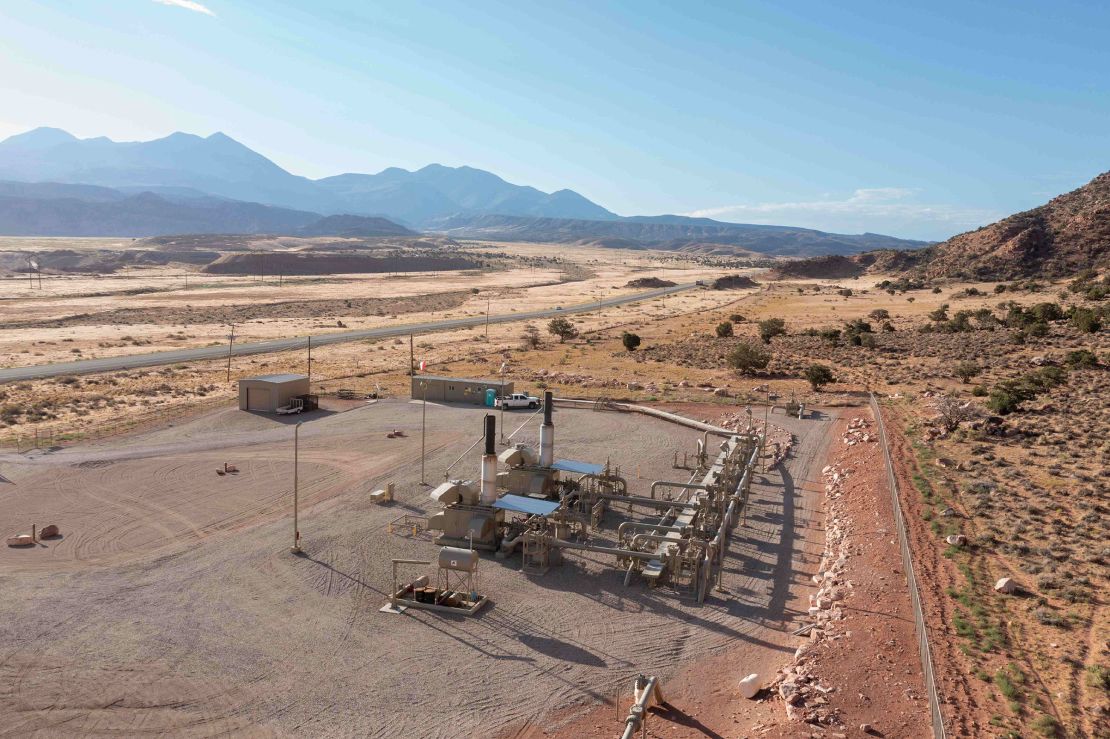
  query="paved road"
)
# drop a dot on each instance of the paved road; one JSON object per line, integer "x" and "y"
{"x": 133, "y": 361}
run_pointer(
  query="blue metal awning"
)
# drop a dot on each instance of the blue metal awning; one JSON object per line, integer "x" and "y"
{"x": 521, "y": 504}
{"x": 582, "y": 468}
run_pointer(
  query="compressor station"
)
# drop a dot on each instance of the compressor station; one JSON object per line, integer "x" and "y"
{"x": 676, "y": 536}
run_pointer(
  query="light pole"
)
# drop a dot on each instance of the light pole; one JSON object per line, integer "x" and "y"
{"x": 423, "y": 426}
{"x": 230, "y": 342}
{"x": 501, "y": 392}
{"x": 296, "y": 548}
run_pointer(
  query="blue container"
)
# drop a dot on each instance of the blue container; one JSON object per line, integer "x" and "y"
{"x": 491, "y": 396}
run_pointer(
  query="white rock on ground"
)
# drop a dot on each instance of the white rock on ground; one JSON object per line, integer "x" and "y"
{"x": 750, "y": 685}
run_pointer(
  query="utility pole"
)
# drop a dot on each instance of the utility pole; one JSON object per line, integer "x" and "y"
{"x": 412, "y": 358}
{"x": 230, "y": 343}
{"x": 310, "y": 364}
{"x": 262, "y": 267}
{"x": 296, "y": 548}
{"x": 30, "y": 273}
{"x": 487, "y": 317}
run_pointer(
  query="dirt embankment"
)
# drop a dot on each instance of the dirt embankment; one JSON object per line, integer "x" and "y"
{"x": 734, "y": 282}
{"x": 299, "y": 263}
{"x": 241, "y": 312}
{"x": 649, "y": 282}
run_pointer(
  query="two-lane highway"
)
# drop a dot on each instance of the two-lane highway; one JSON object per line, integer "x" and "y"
{"x": 134, "y": 361}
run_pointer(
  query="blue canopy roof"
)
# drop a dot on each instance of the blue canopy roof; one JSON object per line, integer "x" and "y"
{"x": 582, "y": 468}
{"x": 521, "y": 504}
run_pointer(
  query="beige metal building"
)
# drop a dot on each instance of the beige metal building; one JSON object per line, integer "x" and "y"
{"x": 459, "y": 389}
{"x": 267, "y": 393}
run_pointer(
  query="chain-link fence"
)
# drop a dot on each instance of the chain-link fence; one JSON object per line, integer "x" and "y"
{"x": 911, "y": 581}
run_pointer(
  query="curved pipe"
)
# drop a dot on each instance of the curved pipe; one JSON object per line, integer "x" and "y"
{"x": 607, "y": 479}
{"x": 661, "y": 538}
{"x": 682, "y": 485}
{"x": 649, "y": 526}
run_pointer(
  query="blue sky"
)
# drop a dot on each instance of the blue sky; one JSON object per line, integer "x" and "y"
{"x": 915, "y": 119}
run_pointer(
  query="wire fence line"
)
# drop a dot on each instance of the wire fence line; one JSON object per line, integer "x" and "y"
{"x": 911, "y": 580}
{"x": 66, "y": 433}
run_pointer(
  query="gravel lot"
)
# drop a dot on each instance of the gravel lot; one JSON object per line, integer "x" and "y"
{"x": 172, "y": 603}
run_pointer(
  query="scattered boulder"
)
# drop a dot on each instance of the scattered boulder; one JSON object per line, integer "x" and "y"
{"x": 722, "y": 392}
{"x": 21, "y": 540}
{"x": 51, "y": 531}
{"x": 1005, "y": 586}
{"x": 956, "y": 540}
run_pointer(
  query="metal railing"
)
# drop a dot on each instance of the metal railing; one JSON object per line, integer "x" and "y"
{"x": 911, "y": 581}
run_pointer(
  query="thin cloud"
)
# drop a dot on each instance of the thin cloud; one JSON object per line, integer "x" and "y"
{"x": 879, "y": 205}
{"x": 188, "y": 5}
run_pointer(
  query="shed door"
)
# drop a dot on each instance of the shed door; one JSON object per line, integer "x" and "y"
{"x": 258, "y": 399}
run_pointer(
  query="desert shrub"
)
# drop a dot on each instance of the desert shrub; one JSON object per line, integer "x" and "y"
{"x": 737, "y": 318}
{"x": 769, "y": 328}
{"x": 867, "y": 341}
{"x": 1038, "y": 329}
{"x": 1086, "y": 320}
{"x": 630, "y": 341}
{"x": 530, "y": 338}
{"x": 940, "y": 314}
{"x": 560, "y": 326}
{"x": 831, "y": 335}
{"x": 979, "y": 391}
{"x": 818, "y": 375}
{"x": 879, "y": 314}
{"x": 724, "y": 329}
{"x": 748, "y": 357}
{"x": 1081, "y": 359}
{"x": 966, "y": 370}
{"x": 845, "y": 292}
{"x": 1046, "y": 725}
{"x": 1047, "y": 312}
{"x": 1005, "y": 401}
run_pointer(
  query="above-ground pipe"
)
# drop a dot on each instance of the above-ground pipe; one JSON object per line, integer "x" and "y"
{"x": 647, "y": 693}
{"x": 661, "y": 538}
{"x": 681, "y": 485}
{"x": 641, "y": 500}
{"x": 564, "y": 544}
{"x": 647, "y": 525}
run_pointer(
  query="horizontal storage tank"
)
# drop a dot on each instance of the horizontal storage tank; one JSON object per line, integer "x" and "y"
{"x": 454, "y": 558}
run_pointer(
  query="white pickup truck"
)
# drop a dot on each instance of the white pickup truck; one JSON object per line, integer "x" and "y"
{"x": 517, "y": 400}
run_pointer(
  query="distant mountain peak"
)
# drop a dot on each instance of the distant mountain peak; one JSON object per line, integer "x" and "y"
{"x": 39, "y": 138}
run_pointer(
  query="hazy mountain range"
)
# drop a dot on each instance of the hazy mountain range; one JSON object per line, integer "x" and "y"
{"x": 57, "y": 184}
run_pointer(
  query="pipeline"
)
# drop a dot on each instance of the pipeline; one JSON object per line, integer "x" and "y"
{"x": 681, "y": 485}
{"x": 641, "y": 500}
{"x": 647, "y": 693}
{"x": 661, "y": 538}
{"x": 564, "y": 544}
{"x": 672, "y": 417}
{"x": 608, "y": 479}
{"x": 648, "y": 525}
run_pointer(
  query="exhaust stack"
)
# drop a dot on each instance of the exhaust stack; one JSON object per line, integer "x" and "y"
{"x": 488, "y": 494}
{"x": 547, "y": 433}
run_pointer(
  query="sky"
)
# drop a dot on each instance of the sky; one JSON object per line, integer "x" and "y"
{"x": 919, "y": 120}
